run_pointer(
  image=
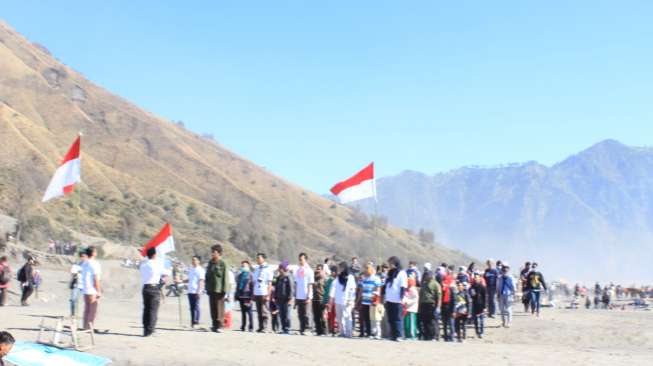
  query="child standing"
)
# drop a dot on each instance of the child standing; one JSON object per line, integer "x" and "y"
{"x": 283, "y": 296}
{"x": 411, "y": 305}
{"x": 461, "y": 310}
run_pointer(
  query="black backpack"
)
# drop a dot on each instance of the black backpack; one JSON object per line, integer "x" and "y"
{"x": 22, "y": 275}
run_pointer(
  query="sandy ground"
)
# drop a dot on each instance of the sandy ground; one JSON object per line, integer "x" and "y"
{"x": 559, "y": 337}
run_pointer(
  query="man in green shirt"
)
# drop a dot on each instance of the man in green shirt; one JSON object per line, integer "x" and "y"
{"x": 217, "y": 285}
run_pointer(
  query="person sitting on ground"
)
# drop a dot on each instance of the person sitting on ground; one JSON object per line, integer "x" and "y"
{"x": 6, "y": 344}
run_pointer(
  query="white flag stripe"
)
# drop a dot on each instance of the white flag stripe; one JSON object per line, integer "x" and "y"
{"x": 66, "y": 175}
{"x": 366, "y": 189}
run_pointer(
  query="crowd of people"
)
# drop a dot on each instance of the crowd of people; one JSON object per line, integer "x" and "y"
{"x": 373, "y": 300}
{"x": 61, "y": 248}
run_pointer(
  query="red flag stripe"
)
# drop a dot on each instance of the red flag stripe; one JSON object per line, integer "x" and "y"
{"x": 162, "y": 236}
{"x": 366, "y": 174}
{"x": 73, "y": 153}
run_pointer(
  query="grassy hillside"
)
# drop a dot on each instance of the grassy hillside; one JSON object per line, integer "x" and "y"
{"x": 139, "y": 170}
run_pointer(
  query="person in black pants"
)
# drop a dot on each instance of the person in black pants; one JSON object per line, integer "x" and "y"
{"x": 283, "y": 296}
{"x": 26, "y": 279}
{"x": 151, "y": 273}
{"x": 244, "y": 295}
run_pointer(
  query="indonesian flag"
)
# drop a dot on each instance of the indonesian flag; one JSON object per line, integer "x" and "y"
{"x": 362, "y": 185}
{"x": 67, "y": 175}
{"x": 163, "y": 242}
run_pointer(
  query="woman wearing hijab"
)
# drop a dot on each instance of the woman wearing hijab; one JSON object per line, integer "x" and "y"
{"x": 343, "y": 294}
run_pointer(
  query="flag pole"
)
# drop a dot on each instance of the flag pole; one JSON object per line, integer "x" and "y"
{"x": 376, "y": 226}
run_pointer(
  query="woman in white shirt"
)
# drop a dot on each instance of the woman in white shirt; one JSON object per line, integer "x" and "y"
{"x": 343, "y": 294}
{"x": 394, "y": 288}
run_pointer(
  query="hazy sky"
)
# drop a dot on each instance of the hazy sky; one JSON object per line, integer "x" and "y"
{"x": 314, "y": 90}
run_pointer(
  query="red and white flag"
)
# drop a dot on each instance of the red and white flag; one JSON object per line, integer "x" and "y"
{"x": 163, "y": 242}
{"x": 67, "y": 175}
{"x": 362, "y": 185}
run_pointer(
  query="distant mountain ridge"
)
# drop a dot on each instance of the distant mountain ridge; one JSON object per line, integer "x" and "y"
{"x": 589, "y": 216}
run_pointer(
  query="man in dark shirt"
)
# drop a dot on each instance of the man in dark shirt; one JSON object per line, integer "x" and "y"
{"x": 6, "y": 344}
{"x": 26, "y": 279}
{"x": 283, "y": 294}
{"x": 217, "y": 285}
{"x": 318, "y": 300}
{"x": 491, "y": 274}
{"x": 536, "y": 285}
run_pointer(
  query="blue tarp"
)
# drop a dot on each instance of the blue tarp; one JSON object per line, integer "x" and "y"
{"x": 34, "y": 354}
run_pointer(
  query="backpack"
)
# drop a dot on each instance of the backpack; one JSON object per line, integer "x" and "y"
{"x": 5, "y": 275}
{"x": 22, "y": 275}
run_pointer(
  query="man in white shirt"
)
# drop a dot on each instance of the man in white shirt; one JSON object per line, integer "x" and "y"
{"x": 152, "y": 271}
{"x": 195, "y": 288}
{"x": 262, "y": 278}
{"x": 395, "y": 285}
{"x": 91, "y": 274}
{"x": 304, "y": 279}
{"x": 76, "y": 282}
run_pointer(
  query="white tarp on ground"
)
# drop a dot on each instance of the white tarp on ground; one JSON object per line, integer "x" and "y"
{"x": 34, "y": 354}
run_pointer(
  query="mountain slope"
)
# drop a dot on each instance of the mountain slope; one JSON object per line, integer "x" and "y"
{"x": 139, "y": 169}
{"x": 588, "y": 217}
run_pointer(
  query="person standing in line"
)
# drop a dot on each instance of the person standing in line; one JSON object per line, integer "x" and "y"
{"x": 5, "y": 280}
{"x": 76, "y": 283}
{"x": 26, "y": 279}
{"x": 343, "y": 295}
{"x": 196, "y": 276}
{"x": 411, "y": 305}
{"x": 217, "y": 286}
{"x": 91, "y": 275}
{"x": 152, "y": 271}
{"x": 263, "y": 276}
{"x": 283, "y": 294}
{"x": 370, "y": 286}
{"x": 525, "y": 288}
{"x": 461, "y": 309}
{"x": 478, "y": 293}
{"x": 318, "y": 301}
{"x": 393, "y": 292}
{"x": 491, "y": 274}
{"x": 430, "y": 300}
{"x": 326, "y": 300}
{"x": 304, "y": 280}
{"x": 536, "y": 285}
{"x": 244, "y": 293}
{"x": 506, "y": 293}
{"x": 447, "y": 308}
{"x": 6, "y": 344}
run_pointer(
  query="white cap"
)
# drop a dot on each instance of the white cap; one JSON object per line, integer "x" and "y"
{"x": 428, "y": 266}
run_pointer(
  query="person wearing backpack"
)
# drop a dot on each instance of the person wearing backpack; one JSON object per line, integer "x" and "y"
{"x": 5, "y": 280}
{"x": 26, "y": 279}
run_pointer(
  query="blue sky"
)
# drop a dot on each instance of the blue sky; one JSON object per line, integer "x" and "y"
{"x": 314, "y": 90}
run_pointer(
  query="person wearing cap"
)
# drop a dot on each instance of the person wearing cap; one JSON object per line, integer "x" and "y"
{"x": 462, "y": 275}
{"x": 506, "y": 294}
{"x": 491, "y": 275}
{"x": 283, "y": 295}
{"x": 412, "y": 271}
{"x": 370, "y": 287}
